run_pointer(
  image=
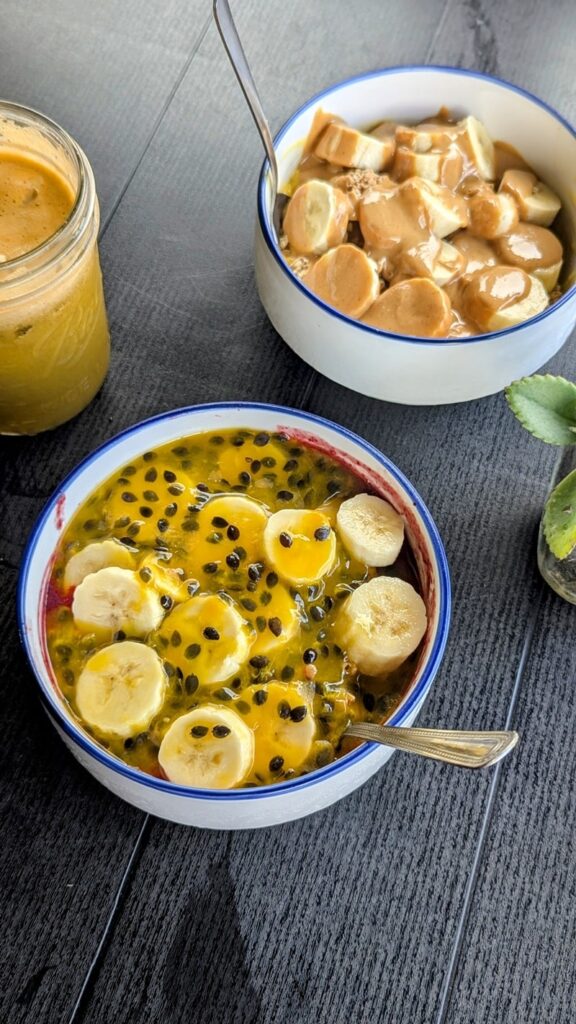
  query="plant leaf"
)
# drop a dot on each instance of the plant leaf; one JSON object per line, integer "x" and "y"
{"x": 546, "y": 406}
{"x": 560, "y": 517}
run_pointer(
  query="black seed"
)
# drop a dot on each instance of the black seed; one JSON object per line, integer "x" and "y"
{"x": 192, "y": 651}
{"x": 214, "y": 538}
{"x": 322, "y": 533}
{"x": 133, "y": 529}
{"x": 210, "y": 567}
{"x": 269, "y": 462}
{"x": 162, "y": 525}
{"x": 285, "y": 495}
{"x": 216, "y": 439}
{"x": 90, "y": 524}
{"x": 309, "y": 656}
{"x": 224, "y": 596}
{"x": 220, "y": 522}
{"x": 119, "y": 635}
{"x": 255, "y": 571}
{"x": 369, "y": 701}
{"x": 190, "y": 526}
{"x": 180, "y": 450}
{"x": 220, "y": 731}
{"x": 328, "y": 603}
{"x": 325, "y": 651}
{"x": 176, "y": 489}
{"x": 332, "y": 486}
{"x": 236, "y": 683}
{"x": 244, "y": 478}
{"x": 285, "y": 540}
{"x": 170, "y": 670}
{"x": 150, "y": 496}
{"x": 203, "y": 488}
{"x": 63, "y": 650}
{"x": 192, "y": 586}
{"x": 126, "y": 540}
{"x": 271, "y": 579}
{"x": 321, "y": 635}
{"x": 232, "y": 533}
{"x": 171, "y": 510}
{"x": 295, "y": 451}
{"x": 241, "y": 552}
{"x": 291, "y": 464}
{"x": 275, "y": 625}
{"x": 210, "y": 633}
{"x": 193, "y": 509}
{"x": 224, "y": 694}
{"x": 191, "y": 684}
{"x": 121, "y": 523}
{"x": 242, "y": 707}
{"x": 337, "y": 650}
{"x": 276, "y": 763}
{"x": 128, "y": 743}
{"x": 287, "y": 674}
{"x": 255, "y": 465}
{"x": 317, "y": 613}
{"x": 232, "y": 560}
{"x": 323, "y": 758}
{"x": 251, "y": 586}
{"x": 149, "y": 456}
{"x": 146, "y": 574}
{"x": 166, "y": 602}
{"x": 68, "y": 676}
{"x": 265, "y": 597}
{"x": 128, "y": 496}
{"x": 299, "y": 714}
{"x": 248, "y": 604}
{"x": 260, "y": 624}
{"x": 259, "y": 661}
{"x": 199, "y": 730}
{"x": 238, "y": 442}
{"x": 260, "y": 697}
{"x": 261, "y": 439}
{"x": 122, "y": 480}
{"x": 169, "y": 476}
{"x": 175, "y": 639}
{"x": 284, "y": 709}
{"x": 145, "y": 511}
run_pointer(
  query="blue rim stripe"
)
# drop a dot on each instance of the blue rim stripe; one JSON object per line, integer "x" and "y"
{"x": 89, "y": 746}
{"x": 268, "y": 233}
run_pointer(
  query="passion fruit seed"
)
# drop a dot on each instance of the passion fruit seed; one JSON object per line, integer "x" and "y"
{"x": 192, "y": 651}
{"x": 220, "y": 731}
{"x": 260, "y": 697}
{"x": 198, "y": 731}
{"x": 276, "y": 764}
{"x": 285, "y": 540}
{"x": 322, "y": 533}
{"x": 211, "y": 633}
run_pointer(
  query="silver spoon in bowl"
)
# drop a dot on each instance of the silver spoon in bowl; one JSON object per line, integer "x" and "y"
{"x": 233, "y": 46}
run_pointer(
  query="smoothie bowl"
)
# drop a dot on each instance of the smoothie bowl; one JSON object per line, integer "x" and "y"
{"x": 211, "y": 597}
{"x": 426, "y": 254}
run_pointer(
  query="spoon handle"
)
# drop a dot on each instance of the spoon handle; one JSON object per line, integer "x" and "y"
{"x": 233, "y": 46}
{"x": 466, "y": 749}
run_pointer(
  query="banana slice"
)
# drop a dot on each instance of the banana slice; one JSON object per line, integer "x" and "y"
{"x": 209, "y": 748}
{"x": 316, "y": 217}
{"x": 300, "y": 544}
{"x": 479, "y": 145}
{"x": 96, "y": 556}
{"x": 417, "y": 307}
{"x": 421, "y": 138}
{"x": 492, "y": 214}
{"x": 345, "y": 278}
{"x": 536, "y": 202}
{"x": 534, "y": 249}
{"x": 275, "y": 622}
{"x": 346, "y": 147}
{"x": 476, "y": 253}
{"x": 168, "y": 581}
{"x": 446, "y": 212}
{"x": 381, "y": 624}
{"x": 370, "y": 529}
{"x": 206, "y": 636}
{"x": 444, "y": 167}
{"x": 113, "y": 600}
{"x": 229, "y": 535}
{"x": 284, "y": 727}
{"x": 500, "y": 297}
{"x": 121, "y": 688}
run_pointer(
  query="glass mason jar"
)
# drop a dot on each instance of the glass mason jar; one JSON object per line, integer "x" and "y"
{"x": 54, "y": 340}
{"x": 559, "y": 573}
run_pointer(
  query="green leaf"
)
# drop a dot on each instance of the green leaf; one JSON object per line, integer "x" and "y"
{"x": 546, "y": 406}
{"x": 560, "y": 517}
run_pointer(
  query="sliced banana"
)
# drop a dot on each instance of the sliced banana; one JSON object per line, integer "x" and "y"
{"x": 443, "y": 167}
{"x": 113, "y": 600}
{"x": 548, "y": 276}
{"x": 370, "y": 529}
{"x": 300, "y": 544}
{"x": 534, "y": 249}
{"x": 476, "y": 252}
{"x": 389, "y": 220}
{"x": 206, "y": 636}
{"x": 492, "y": 214}
{"x": 480, "y": 146}
{"x": 500, "y": 297}
{"x": 446, "y": 212}
{"x": 381, "y": 624}
{"x": 229, "y": 534}
{"x": 99, "y": 555}
{"x": 345, "y": 278}
{"x": 316, "y": 217}
{"x": 276, "y": 622}
{"x": 346, "y": 147}
{"x": 536, "y": 202}
{"x": 282, "y": 719}
{"x": 121, "y": 688}
{"x": 164, "y": 578}
{"x": 211, "y": 747}
{"x": 421, "y": 138}
{"x": 417, "y": 308}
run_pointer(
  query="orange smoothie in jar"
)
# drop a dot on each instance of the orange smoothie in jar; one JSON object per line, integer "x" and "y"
{"x": 54, "y": 341}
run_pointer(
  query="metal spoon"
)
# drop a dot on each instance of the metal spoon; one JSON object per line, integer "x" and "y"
{"x": 233, "y": 46}
{"x": 466, "y": 749}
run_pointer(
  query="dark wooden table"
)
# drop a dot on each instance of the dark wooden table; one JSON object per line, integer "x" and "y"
{"x": 431, "y": 895}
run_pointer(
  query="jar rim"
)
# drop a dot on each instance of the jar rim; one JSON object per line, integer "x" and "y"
{"x": 58, "y": 244}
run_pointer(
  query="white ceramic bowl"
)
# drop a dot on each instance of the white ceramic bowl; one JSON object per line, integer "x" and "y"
{"x": 268, "y": 805}
{"x": 417, "y": 371}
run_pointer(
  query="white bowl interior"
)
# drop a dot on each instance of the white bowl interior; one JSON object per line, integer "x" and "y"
{"x": 411, "y": 94}
{"x": 171, "y": 427}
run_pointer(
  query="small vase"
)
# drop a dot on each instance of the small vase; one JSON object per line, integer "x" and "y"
{"x": 559, "y": 573}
